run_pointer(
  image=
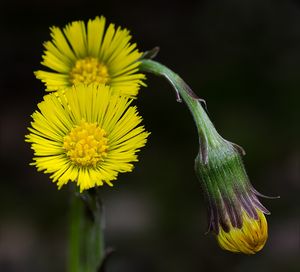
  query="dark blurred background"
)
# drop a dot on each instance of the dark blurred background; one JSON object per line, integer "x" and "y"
{"x": 242, "y": 57}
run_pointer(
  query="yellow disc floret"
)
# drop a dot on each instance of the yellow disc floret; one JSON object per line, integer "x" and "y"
{"x": 249, "y": 239}
{"x": 89, "y": 70}
{"x": 86, "y": 144}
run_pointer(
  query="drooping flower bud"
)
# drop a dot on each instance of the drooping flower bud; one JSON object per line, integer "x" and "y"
{"x": 236, "y": 215}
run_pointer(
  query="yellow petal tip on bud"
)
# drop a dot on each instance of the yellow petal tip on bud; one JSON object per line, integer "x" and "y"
{"x": 249, "y": 239}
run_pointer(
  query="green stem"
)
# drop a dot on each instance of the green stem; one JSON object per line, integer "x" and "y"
{"x": 87, "y": 249}
{"x": 76, "y": 214}
{"x": 95, "y": 251}
{"x": 206, "y": 130}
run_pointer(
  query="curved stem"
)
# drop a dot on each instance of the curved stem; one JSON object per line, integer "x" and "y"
{"x": 206, "y": 130}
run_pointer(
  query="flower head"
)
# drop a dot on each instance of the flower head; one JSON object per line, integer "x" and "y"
{"x": 91, "y": 54}
{"x": 85, "y": 134}
{"x": 236, "y": 215}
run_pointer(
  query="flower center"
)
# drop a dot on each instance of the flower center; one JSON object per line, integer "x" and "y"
{"x": 86, "y": 144}
{"x": 89, "y": 70}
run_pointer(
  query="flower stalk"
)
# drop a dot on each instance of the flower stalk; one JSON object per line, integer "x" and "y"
{"x": 206, "y": 130}
{"x": 76, "y": 215}
{"x": 87, "y": 247}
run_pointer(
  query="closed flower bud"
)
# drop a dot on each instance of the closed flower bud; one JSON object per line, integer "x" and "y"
{"x": 236, "y": 215}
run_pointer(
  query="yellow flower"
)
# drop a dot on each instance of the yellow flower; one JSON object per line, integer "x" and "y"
{"x": 91, "y": 54}
{"x": 85, "y": 134}
{"x": 248, "y": 239}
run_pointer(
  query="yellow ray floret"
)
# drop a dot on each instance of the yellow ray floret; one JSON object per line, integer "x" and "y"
{"x": 91, "y": 53}
{"x": 248, "y": 239}
{"x": 86, "y": 134}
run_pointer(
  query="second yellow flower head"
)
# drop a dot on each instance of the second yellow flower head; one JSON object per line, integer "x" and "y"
{"x": 91, "y": 53}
